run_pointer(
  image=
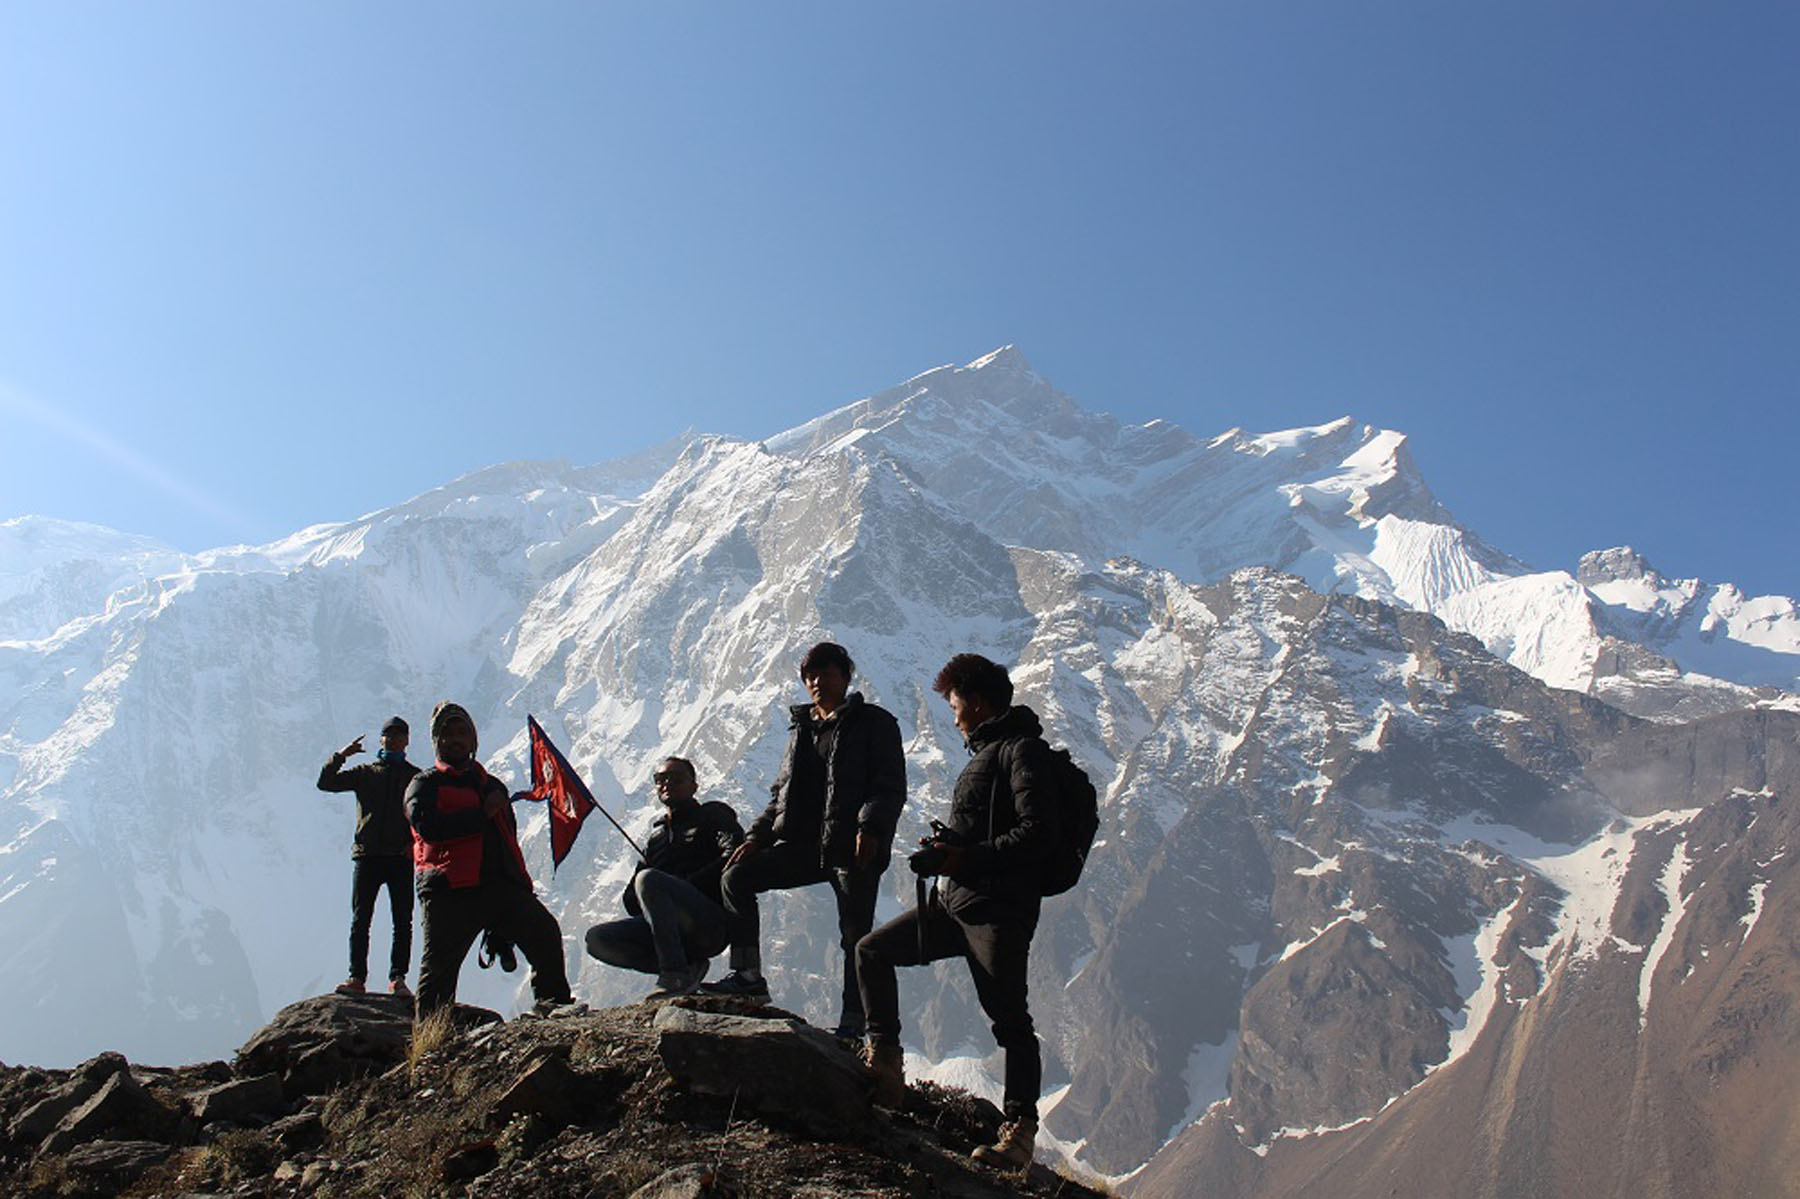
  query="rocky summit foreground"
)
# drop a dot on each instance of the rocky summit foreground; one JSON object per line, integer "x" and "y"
{"x": 341, "y": 1096}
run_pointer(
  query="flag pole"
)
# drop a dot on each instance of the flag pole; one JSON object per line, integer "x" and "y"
{"x": 609, "y": 819}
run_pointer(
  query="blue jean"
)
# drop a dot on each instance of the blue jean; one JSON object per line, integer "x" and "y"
{"x": 679, "y": 925}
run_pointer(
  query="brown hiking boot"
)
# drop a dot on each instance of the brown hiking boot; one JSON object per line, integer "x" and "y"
{"x": 887, "y": 1068}
{"x": 1014, "y": 1148}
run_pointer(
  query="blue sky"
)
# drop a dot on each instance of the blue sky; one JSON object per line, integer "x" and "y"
{"x": 267, "y": 265}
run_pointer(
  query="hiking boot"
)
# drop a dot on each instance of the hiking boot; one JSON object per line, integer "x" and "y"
{"x": 558, "y": 1007}
{"x": 683, "y": 980}
{"x": 352, "y": 986}
{"x": 398, "y": 989}
{"x": 851, "y": 1028}
{"x": 887, "y": 1069}
{"x": 1018, "y": 1140}
{"x": 738, "y": 985}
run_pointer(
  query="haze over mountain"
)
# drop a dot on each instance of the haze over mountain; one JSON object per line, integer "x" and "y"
{"x": 1402, "y": 838}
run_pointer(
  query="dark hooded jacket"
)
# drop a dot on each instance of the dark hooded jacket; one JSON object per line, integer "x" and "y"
{"x": 380, "y": 786}
{"x": 863, "y": 788}
{"x": 1002, "y": 813}
{"x": 690, "y": 842}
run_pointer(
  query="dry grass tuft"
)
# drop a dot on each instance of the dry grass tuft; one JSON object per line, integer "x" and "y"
{"x": 428, "y": 1034}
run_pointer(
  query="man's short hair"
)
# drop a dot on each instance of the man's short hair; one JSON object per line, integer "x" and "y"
{"x": 973, "y": 676}
{"x": 827, "y": 653}
{"x": 685, "y": 765}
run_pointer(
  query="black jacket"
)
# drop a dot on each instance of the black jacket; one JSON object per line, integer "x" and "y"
{"x": 691, "y": 843}
{"x": 864, "y": 785}
{"x": 1001, "y": 813}
{"x": 381, "y": 828}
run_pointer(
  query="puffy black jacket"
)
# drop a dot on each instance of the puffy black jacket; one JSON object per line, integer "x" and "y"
{"x": 1002, "y": 813}
{"x": 380, "y": 787}
{"x": 691, "y": 842}
{"x": 864, "y": 785}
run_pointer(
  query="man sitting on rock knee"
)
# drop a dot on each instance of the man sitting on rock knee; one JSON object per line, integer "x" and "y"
{"x": 677, "y": 920}
{"x": 471, "y": 874}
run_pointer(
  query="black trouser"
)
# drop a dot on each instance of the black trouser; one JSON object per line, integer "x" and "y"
{"x": 368, "y": 875}
{"x": 997, "y": 954}
{"x": 455, "y": 916}
{"x": 785, "y": 865}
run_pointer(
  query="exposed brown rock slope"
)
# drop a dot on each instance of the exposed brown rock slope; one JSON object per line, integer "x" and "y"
{"x": 1569, "y": 1090}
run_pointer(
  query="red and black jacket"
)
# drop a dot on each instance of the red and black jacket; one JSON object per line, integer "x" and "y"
{"x": 452, "y": 834}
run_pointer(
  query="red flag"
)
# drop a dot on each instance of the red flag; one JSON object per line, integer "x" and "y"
{"x": 554, "y": 781}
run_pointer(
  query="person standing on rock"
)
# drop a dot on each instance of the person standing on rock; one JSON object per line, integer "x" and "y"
{"x": 831, "y": 818}
{"x": 382, "y": 853}
{"x": 985, "y": 909}
{"x": 677, "y": 920}
{"x": 471, "y": 873}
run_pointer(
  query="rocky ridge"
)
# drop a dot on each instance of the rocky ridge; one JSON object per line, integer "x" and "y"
{"x": 693, "y": 1098}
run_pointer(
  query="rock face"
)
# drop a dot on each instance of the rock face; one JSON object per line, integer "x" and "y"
{"x": 317, "y": 1044}
{"x": 573, "y": 1105}
{"x": 785, "y": 1068}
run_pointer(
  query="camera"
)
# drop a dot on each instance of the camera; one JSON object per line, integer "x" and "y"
{"x": 929, "y": 859}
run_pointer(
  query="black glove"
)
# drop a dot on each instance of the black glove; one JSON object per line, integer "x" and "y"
{"x": 928, "y": 861}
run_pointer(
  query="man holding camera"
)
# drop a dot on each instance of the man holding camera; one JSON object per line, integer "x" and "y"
{"x": 984, "y": 908}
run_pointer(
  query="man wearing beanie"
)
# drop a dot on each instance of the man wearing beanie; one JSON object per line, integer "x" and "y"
{"x": 382, "y": 853}
{"x": 471, "y": 874}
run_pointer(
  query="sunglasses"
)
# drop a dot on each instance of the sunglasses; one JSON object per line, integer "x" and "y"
{"x": 667, "y": 776}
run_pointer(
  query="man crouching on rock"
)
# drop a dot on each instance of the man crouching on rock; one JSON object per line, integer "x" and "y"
{"x": 676, "y": 920}
{"x": 471, "y": 875}
{"x": 985, "y": 910}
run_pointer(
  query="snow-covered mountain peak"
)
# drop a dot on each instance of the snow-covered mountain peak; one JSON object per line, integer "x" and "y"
{"x": 54, "y": 571}
{"x": 1617, "y": 565}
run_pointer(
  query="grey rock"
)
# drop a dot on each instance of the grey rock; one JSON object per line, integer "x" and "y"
{"x": 36, "y": 1121}
{"x": 98, "y": 1069}
{"x": 239, "y": 1102}
{"x": 119, "y": 1105}
{"x": 116, "y": 1162}
{"x": 320, "y": 1043}
{"x": 302, "y": 1130}
{"x": 549, "y": 1088}
{"x": 785, "y": 1068}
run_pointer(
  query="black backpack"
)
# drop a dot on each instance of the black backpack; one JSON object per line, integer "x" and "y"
{"x": 1077, "y": 821}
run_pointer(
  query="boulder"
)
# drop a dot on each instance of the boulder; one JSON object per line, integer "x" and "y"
{"x": 120, "y": 1105}
{"x": 302, "y": 1130}
{"x": 239, "y": 1102}
{"x": 549, "y": 1088}
{"x": 785, "y": 1068}
{"x": 36, "y": 1122}
{"x": 116, "y": 1163}
{"x": 318, "y": 1044}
